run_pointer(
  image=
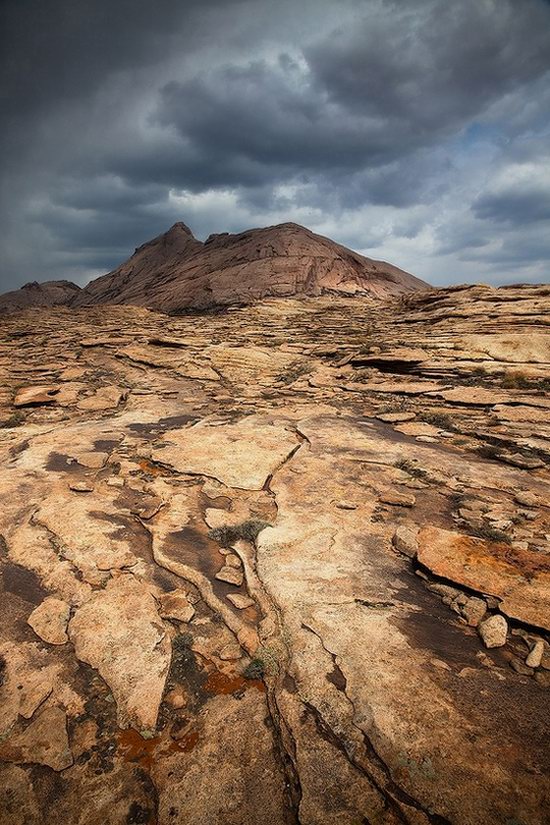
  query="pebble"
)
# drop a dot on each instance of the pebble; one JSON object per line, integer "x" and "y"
{"x": 535, "y": 656}
{"x": 230, "y": 575}
{"x": 81, "y": 486}
{"x": 398, "y": 499}
{"x": 239, "y": 601}
{"x": 445, "y": 590}
{"x": 346, "y": 505}
{"x": 396, "y": 417}
{"x": 231, "y": 560}
{"x": 404, "y": 540}
{"x": 493, "y": 631}
{"x": 474, "y": 610}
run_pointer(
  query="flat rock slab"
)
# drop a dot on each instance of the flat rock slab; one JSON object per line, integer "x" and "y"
{"x": 492, "y": 568}
{"x": 402, "y": 387}
{"x": 118, "y": 631}
{"x": 35, "y": 396}
{"x": 475, "y": 396}
{"x": 49, "y": 621}
{"x": 105, "y": 398}
{"x": 44, "y": 741}
{"x": 241, "y": 455}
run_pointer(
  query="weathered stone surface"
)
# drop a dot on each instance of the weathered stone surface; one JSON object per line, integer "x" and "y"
{"x": 49, "y": 621}
{"x": 33, "y": 294}
{"x": 175, "y": 605}
{"x": 535, "y": 654}
{"x": 118, "y": 631}
{"x": 240, "y": 601}
{"x": 86, "y": 535}
{"x": 230, "y": 575}
{"x": 396, "y": 417}
{"x": 275, "y": 408}
{"x": 105, "y": 398}
{"x": 474, "y": 610}
{"x": 44, "y": 741}
{"x": 18, "y": 803}
{"x": 394, "y": 497}
{"x": 526, "y": 499}
{"x": 239, "y": 455}
{"x": 94, "y": 461}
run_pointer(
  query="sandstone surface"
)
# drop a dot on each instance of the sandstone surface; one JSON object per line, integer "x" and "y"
{"x": 253, "y": 571}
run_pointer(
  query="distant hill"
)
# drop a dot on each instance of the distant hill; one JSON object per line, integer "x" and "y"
{"x": 47, "y": 294}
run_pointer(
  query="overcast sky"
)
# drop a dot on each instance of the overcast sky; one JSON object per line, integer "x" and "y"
{"x": 416, "y": 131}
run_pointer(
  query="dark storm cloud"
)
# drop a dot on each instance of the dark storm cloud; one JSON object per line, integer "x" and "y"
{"x": 389, "y": 124}
{"x": 59, "y": 50}
{"x": 368, "y": 96}
{"x": 515, "y": 206}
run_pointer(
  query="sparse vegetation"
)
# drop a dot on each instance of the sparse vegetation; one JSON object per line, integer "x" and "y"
{"x": 265, "y": 662}
{"x": 456, "y": 500}
{"x": 514, "y": 380}
{"x": 411, "y": 468}
{"x": 14, "y": 420}
{"x": 296, "y": 370}
{"x": 255, "y": 669}
{"x": 248, "y": 530}
{"x": 182, "y": 656}
{"x": 438, "y": 419}
{"x": 485, "y": 531}
{"x": 488, "y": 451}
{"x": 518, "y": 380}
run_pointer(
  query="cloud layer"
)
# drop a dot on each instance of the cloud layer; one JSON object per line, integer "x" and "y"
{"x": 413, "y": 131}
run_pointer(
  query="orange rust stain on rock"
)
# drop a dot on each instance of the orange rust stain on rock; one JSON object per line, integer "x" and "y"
{"x": 151, "y": 469}
{"x": 134, "y": 748}
{"x": 219, "y": 683}
{"x": 511, "y": 560}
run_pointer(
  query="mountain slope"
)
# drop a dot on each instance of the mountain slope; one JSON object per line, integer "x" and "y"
{"x": 33, "y": 294}
{"x": 175, "y": 272}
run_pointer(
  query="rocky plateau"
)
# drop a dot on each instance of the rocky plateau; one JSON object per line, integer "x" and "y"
{"x": 282, "y": 563}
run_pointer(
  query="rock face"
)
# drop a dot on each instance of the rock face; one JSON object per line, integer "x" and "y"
{"x": 275, "y": 564}
{"x": 46, "y": 294}
{"x": 175, "y": 272}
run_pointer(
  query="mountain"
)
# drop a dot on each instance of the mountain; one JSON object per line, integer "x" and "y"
{"x": 33, "y": 294}
{"x": 175, "y": 272}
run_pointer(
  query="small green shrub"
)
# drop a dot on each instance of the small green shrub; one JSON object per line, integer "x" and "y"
{"x": 296, "y": 370}
{"x": 485, "y": 531}
{"x": 441, "y": 420}
{"x": 411, "y": 468}
{"x": 248, "y": 530}
{"x": 14, "y": 420}
{"x": 255, "y": 669}
{"x": 488, "y": 451}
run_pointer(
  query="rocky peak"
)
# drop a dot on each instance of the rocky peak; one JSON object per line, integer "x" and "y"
{"x": 176, "y": 272}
